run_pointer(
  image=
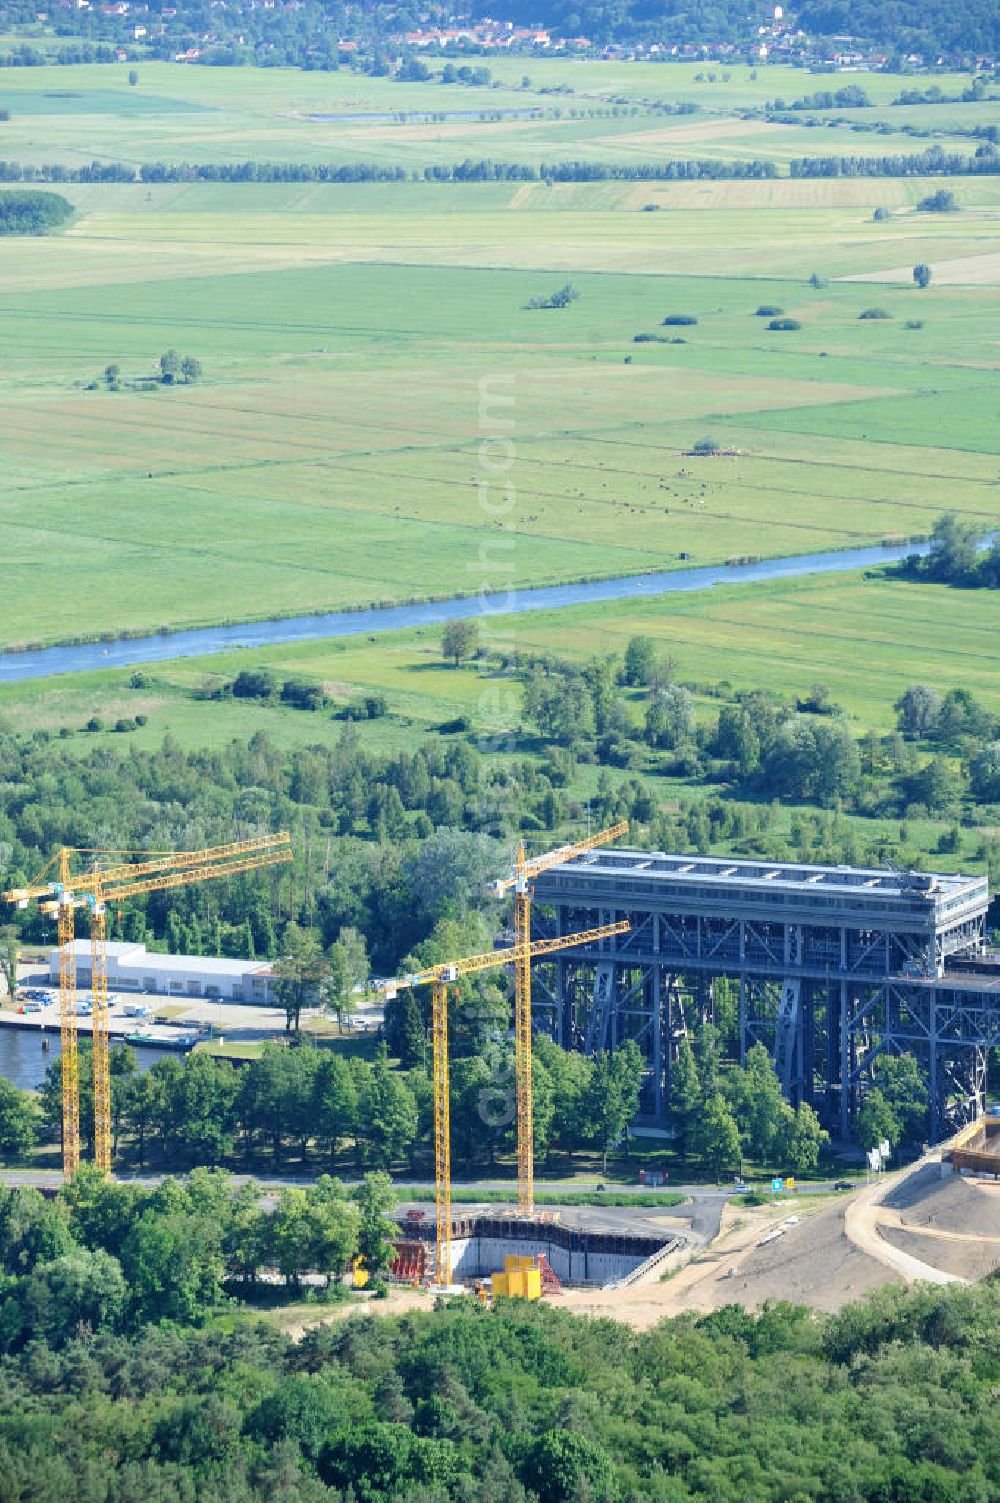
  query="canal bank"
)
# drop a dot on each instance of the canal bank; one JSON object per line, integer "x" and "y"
{"x": 164, "y": 647}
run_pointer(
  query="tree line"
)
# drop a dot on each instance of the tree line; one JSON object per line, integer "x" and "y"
{"x": 313, "y": 1109}
{"x": 106, "y": 1256}
{"x": 470, "y": 170}
{"x": 932, "y": 163}
{"x": 316, "y": 1109}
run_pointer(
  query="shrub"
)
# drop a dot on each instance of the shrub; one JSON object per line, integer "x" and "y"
{"x": 303, "y": 694}
{"x": 124, "y": 724}
{"x": 914, "y": 323}
{"x": 769, "y": 310}
{"x": 679, "y": 320}
{"x": 881, "y": 215}
{"x": 95, "y": 723}
{"x": 783, "y": 324}
{"x": 874, "y": 313}
{"x": 365, "y": 707}
{"x": 941, "y": 202}
{"x": 705, "y": 446}
{"x": 254, "y": 683}
{"x": 562, "y": 298}
{"x": 29, "y": 212}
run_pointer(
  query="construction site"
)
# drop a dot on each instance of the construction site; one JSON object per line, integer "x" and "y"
{"x": 834, "y": 967}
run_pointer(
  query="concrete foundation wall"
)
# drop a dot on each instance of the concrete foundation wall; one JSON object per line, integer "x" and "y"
{"x": 478, "y": 1257}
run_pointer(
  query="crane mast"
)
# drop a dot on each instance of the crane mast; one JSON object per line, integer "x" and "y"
{"x": 94, "y": 889}
{"x": 102, "y": 1050}
{"x": 520, "y": 880}
{"x": 70, "y": 1057}
{"x": 438, "y": 978}
{"x": 522, "y": 1041}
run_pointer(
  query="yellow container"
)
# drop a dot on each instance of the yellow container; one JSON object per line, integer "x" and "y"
{"x": 521, "y": 1279}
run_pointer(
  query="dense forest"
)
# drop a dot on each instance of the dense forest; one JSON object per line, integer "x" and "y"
{"x": 629, "y": 21}
{"x": 131, "y": 1373}
{"x": 924, "y": 26}
{"x": 928, "y": 27}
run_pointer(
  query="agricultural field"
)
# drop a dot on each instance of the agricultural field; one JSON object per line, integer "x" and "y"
{"x": 596, "y": 110}
{"x": 330, "y": 455}
{"x": 354, "y": 341}
{"x": 602, "y": 111}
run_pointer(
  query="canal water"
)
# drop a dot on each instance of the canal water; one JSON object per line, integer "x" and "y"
{"x": 17, "y": 666}
{"x": 24, "y": 1061}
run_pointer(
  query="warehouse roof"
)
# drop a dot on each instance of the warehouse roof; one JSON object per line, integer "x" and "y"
{"x": 136, "y": 955}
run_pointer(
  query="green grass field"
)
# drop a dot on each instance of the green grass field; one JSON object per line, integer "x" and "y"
{"x": 604, "y": 111}
{"x": 331, "y": 457}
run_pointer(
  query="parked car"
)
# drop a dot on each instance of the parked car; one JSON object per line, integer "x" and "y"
{"x": 844, "y": 1184}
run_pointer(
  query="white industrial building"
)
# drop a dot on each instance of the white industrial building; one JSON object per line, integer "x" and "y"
{"x": 133, "y": 968}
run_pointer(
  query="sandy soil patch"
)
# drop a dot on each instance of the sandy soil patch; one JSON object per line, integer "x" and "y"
{"x": 813, "y": 1264}
{"x": 964, "y": 1257}
{"x": 950, "y": 1203}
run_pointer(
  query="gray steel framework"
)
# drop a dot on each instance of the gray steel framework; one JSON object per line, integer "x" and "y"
{"x": 829, "y": 966}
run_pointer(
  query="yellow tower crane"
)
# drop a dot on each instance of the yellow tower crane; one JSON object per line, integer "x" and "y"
{"x": 93, "y": 889}
{"x": 520, "y": 880}
{"x": 438, "y": 978}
